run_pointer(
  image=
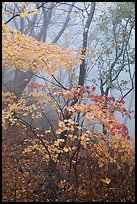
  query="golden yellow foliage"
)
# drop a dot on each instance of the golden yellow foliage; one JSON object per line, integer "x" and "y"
{"x": 23, "y": 52}
{"x": 106, "y": 180}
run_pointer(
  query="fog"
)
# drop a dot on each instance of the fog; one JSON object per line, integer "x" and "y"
{"x": 72, "y": 38}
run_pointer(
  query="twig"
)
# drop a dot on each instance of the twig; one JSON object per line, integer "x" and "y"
{"x": 18, "y": 14}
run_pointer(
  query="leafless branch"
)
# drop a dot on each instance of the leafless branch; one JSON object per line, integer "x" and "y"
{"x": 33, "y": 131}
{"x": 65, "y": 24}
{"x": 18, "y": 14}
{"x": 58, "y": 82}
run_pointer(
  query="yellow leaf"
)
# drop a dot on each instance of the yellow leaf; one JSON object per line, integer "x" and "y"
{"x": 101, "y": 164}
{"x": 24, "y": 14}
{"x": 5, "y": 28}
{"x": 56, "y": 156}
{"x": 106, "y": 180}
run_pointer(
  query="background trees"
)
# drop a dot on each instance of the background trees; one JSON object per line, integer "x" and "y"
{"x": 82, "y": 133}
{"x": 70, "y": 32}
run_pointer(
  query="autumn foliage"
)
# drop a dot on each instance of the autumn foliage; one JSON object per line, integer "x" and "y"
{"x": 17, "y": 47}
{"x": 88, "y": 156}
{"x": 90, "y": 164}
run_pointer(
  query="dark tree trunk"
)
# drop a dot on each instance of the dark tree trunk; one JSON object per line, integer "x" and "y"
{"x": 18, "y": 83}
{"x": 84, "y": 48}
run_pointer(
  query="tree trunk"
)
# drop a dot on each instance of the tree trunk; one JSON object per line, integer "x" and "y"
{"x": 81, "y": 75}
{"x": 64, "y": 25}
{"x": 18, "y": 83}
{"x": 84, "y": 48}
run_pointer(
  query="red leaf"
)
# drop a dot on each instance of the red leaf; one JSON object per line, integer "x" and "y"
{"x": 123, "y": 102}
{"x": 87, "y": 87}
{"x": 112, "y": 98}
{"x": 93, "y": 88}
{"x": 128, "y": 137}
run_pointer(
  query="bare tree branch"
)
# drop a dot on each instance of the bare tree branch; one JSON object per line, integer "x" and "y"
{"x": 18, "y": 14}
{"x": 64, "y": 25}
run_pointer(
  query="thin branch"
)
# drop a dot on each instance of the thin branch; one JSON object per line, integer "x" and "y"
{"x": 126, "y": 93}
{"x": 86, "y": 8}
{"x": 114, "y": 31}
{"x": 73, "y": 6}
{"x": 58, "y": 82}
{"x": 64, "y": 25}
{"x": 18, "y": 14}
{"x": 117, "y": 58}
{"x": 28, "y": 125}
{"x": 131, "y": 78}
{"x": 48, "y": 120}
{"x": 56, "y": 103}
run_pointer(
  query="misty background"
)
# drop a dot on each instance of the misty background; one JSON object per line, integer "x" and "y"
{"x": 63, "y": 23}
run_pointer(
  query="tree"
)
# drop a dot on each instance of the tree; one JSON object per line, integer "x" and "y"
{"x": 27, "y": 23}
{"x": 117, "y": 26}
{"x": 65, "y": 155}
{"x": 84, "y": 48}
{"x": 114, "y": 52}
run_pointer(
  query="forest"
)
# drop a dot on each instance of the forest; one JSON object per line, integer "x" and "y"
{"x": 68, "y": 101}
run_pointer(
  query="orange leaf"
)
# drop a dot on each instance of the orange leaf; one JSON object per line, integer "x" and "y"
{"x": 106, "y": 180}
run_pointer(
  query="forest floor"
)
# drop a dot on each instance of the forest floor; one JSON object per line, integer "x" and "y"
{"x": 16, "y": 183}
{"x": 21, "y": 173}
